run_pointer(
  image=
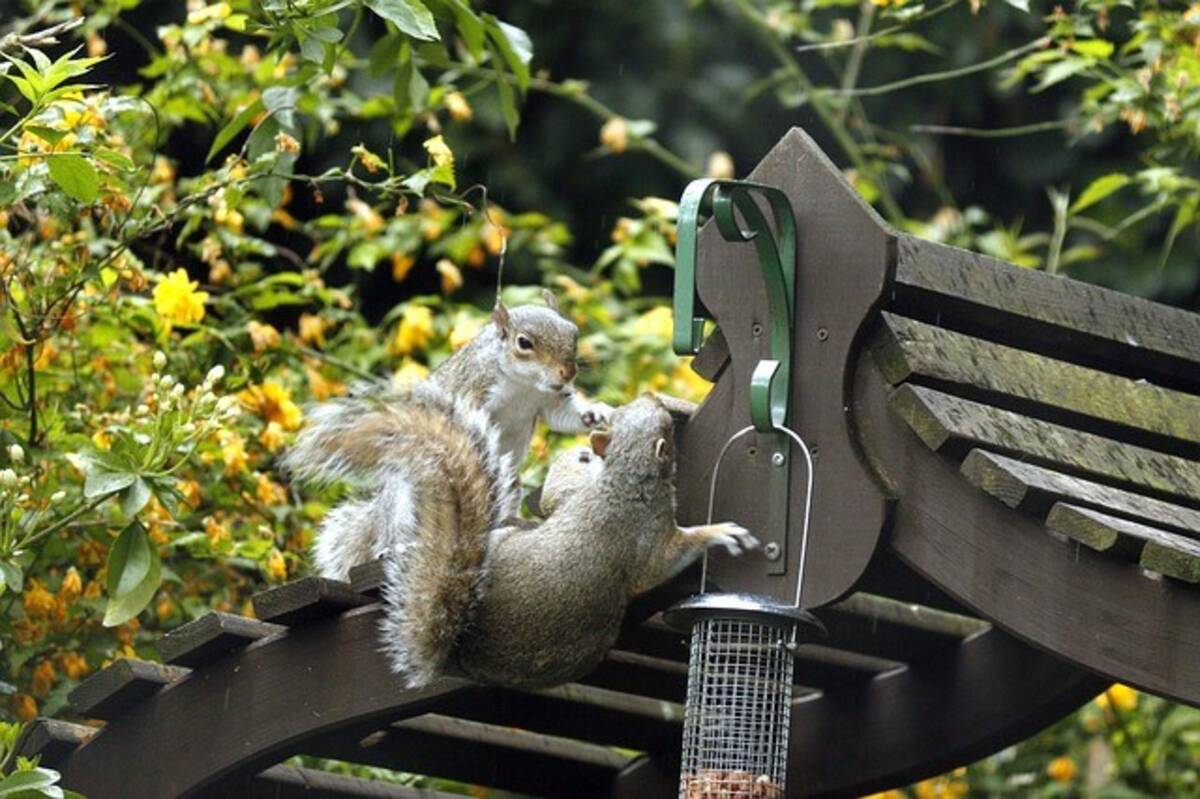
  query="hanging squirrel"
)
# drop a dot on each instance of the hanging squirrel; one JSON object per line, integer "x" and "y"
{"x": 531, "y": 608}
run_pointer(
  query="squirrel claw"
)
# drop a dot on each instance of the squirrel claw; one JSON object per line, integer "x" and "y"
{"x": 735, "y": 538}
{"x": 596, "y": 416}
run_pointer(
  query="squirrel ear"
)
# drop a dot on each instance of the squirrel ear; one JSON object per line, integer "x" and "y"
{"x": 599, "y": 440}
{"x": 660, "y": 449}
{"x": 550, "y": 299}
{"x": 500, "y": 317}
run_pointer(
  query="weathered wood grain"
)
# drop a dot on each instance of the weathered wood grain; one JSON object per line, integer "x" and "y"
{"x": 1157, "y": 550}
{"x": 306, "y": 600}
{"x": 211, "y": 636}
{"x": 1115, "y": 331}
{"x": 110, "y": 692}
{"x": 1034, "y": 489}
{"x": 943, "y": 419}
{"x": 292, "y": 782}
{"x": 713, "y": 357}
{"x": 367, "y": 578}
{"x": 52, "y": 740}
{"x": 906, "y": 348}
{"x": 898, "y": 631}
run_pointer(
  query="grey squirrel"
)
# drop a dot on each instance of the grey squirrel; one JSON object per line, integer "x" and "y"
{"x": 466, "y": 595}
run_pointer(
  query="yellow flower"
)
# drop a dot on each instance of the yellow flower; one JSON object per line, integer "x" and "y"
{"x": 273, "y": 437}
{"x": 96, "y": 46}
{"x": 366, "y": 216}
{"x": 656, "y": 322}
{"x": 1061, "y": 769}
{"x": 276, "y": 566}
{"x": 415, "y": 330}
{"x": 74, "y": 665}
{"x": 192, "y": 493}
{"x": 312, "y": 329}
{"x": 371, "y": 162}
{"x": 233, "y": 452}
{"x": 273, "y": 402}
{"x": 214, "y": 11}
{"x": 892, "y": 794}
{"x": 465, "y": 329}
{"x": 164, "y": 608}
{"x": 1122, "y": 697}
{"x": 219, "y": 272}
{"x": 177, "y": 301}
{"x": 215, "y": 531}
{"x": 460, "y": 110}
{"x": 163, "y": 171}
{"x": 410, "y": 372}
{"x": 321, "y": 387}
{"x": 268, "y": 491}
{"x": 720, "y": 165}
{"x": 687, "y": 384}
{"x": 25, "y": 707}
{"x": 452, "y": 278}
{"x": 37, "y": 600}
{"x": 943, "y": 787}
{"x": 401, "y": 265}
{"x": 44, "y": 676}
{"x": 615, "y": 135}
{"x": 72, "y": 585}
{"x": 286, "y": 143}
{"x": 102, "y": 439}
{"x": 439, "y": 151}
{"x": 262, "y": 336}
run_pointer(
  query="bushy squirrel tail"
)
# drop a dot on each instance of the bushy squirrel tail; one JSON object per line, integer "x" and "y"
{"x": 436, "y": 483}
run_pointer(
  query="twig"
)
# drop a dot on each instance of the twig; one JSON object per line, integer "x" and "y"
{"x": 950, "y": 74}
{"x": 993, "y": 133}
{"x": 933, "y": 12}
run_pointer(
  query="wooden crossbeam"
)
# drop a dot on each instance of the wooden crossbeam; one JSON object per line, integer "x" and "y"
{"x": 52, "y": 740}
{"x": 109, "y": 692}
{"x": 1157, "y": 550}
{"x": 894, "y": 630}
{"x": 211, "y": 636}
{"x": 306, "y": 600}
{"x": 291, "y": 782}
{"x": 635, "y": 673}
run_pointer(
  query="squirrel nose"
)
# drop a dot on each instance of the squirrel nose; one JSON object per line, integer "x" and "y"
{"x": 567, "y": 372}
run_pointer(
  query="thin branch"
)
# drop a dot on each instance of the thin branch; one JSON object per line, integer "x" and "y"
{"x": 950, "y": 74}
{"x": 993, "y": 133}
{"x": 880, "y": 34}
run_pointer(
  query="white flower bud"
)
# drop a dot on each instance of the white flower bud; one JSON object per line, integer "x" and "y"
{"x": 57, "y": 497}
{"x": 187, "y": 429}
{"x": 16, "y": 453}
{"x": 225, "y": 404}
{"x": 160, "y": 360}
{"x": 142, "y": 439}
{"x": 214, "y": 374}
{"x": 8, "y": 478}
{"x": 167, "y": 381}
{"x": 177, "y": 390}
{"x": 142, "y": 410}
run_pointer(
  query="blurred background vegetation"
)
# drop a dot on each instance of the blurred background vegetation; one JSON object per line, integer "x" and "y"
{"x": 215, "y": 214}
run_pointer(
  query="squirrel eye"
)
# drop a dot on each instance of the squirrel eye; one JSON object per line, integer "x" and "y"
{"x": 524, "y": 342}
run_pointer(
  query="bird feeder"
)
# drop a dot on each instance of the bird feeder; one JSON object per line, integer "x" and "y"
{"x": 740, "y": 672}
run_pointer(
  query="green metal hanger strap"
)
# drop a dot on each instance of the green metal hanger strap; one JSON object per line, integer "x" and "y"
{"x": 725, "y": 201}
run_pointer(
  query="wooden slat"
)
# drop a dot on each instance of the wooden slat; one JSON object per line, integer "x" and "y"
{"x": 713, "y": 356}
{"x": 367, "y": 578}
{"x": 291, "y": 782}
{"x": 1157, "y": 550}
{"x": 894, "y": 630}
{"x": 906, "y": 348}
{"x": 108, "y": 693}
{"x": 1034, "y": 489}
{"x": 306, "y": 600}
{"x": 52, "y": 740}
{"x": 1024, "y": 307}
{"x": 943, "y": 419}
{"x": 211, "y": 636}
{"x": 631, "y": 672}
{"x": 647, "y": 778}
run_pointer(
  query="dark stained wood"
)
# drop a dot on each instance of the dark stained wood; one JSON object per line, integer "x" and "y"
{"x": 713, "y": 357}
{"x": 255, "y": 707}
{"x": 290, "y": 782}
{"x": 1157, "y": 550}
{"x": 647, "y": 778}
{"x": 367, "y": 578}
{"x": 1079, "y": 604}
{"x": 631, "y": 672}
{"x": 306, "y": 600}
{"x": 844, "y": 255}
{"x": 901, "y": 727}
{"x": 481, "y": 754}
{"x": 1034, "y": 490}
{"x": 211, "y": 636}
{"x": 1136, "y": 410}
{"x": 52, "y": 740}
{"x": 943, "y": 420}
{"x": 1048, "y": 313}
{"x": 110, "y": 692}
{"x": 893, "y": 630}
{"x": 888, "y": 576}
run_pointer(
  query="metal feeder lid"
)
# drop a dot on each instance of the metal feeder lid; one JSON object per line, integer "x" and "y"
{"x": 744, "y": 607}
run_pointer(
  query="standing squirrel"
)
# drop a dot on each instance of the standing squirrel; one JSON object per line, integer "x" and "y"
{"x": 530, "y": 608}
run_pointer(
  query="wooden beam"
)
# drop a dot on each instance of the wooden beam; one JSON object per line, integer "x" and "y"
{"x": 958, "y": 425}
{"x": 1137, "y": 411}
{"x": 1035, "y": 490}
{"x": 1048, "y": 313}
{"x": 291, "y": 782}
{"x": 52, "y": 740}
{"x": 647, "y": 778}
{"x": 122, "y": 684}
{"x": 211, "y": 636}
{"x": 1157, "y": 550}
{"x": 306, "y": 600}
{"x": 894, "y": 630}
{"x": 635, "y": 673}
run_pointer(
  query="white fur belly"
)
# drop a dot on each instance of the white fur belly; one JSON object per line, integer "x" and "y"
{"x": 515, "y": 412}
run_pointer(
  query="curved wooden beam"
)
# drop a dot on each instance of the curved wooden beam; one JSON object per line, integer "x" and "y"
{"x": 246, "y": 712}
{"x": 1098, "y": 612}
{"x": 990, "y": 692}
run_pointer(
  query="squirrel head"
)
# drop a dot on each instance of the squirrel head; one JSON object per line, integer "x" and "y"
{"x": 571, "y": 472}
{"x": 538, "y": 344}
{"x": 640, "y": 442}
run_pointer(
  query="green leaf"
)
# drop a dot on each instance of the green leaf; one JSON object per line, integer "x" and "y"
{"x": 123, "y": 608}
{"x": 13, "y": 575}
{"x": 470, "y": 26}
{"x": 34, "y": 780}
{"x": 1094, "y": 48}
{"x": 1099, "y": 189}
{"x": 1023, "y": 5}
{"x": 135, "y": 497}
{"x": 410, "y": 16}
{"x": 134, "y": 573}
{"x": 51, "y": 135}
{"x": 76, "y": 176}
{"x": 236, "y": 125}
{"x": 508, "y": 107}
{"x": 100, "y": 482}
{"x": 119, "y": 160}
{"x": 514, "y": 47}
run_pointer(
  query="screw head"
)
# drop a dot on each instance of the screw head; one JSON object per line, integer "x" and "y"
{"x": 778, "y": 459}
{"x": 771, "y": 550}
{"x": 822, "y": 333}
{"x": 756, "y": 330}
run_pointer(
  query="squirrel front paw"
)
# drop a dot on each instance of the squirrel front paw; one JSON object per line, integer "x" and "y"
{"x": 735, "y": 538}
{"x": 596, "y": 415}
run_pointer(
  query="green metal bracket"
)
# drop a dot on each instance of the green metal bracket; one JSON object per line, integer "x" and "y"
{"x": 770, "y": 381}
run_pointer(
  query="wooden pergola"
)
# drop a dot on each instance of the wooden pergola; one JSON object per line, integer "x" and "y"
{"x": 1007, "y": 518}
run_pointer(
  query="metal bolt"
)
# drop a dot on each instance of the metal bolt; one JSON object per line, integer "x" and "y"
{"x": 778, "y": 459}
{"x": 822, "y": 333}
{"x": 756, "y": 330}
{"x": 771, "y": 550}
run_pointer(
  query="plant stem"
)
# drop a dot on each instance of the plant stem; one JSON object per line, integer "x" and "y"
{"x": 950, "y": 74}
{"x": 993, "y": 133}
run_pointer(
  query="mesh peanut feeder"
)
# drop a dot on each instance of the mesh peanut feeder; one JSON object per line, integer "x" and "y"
{"x": 739, "y": 696}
